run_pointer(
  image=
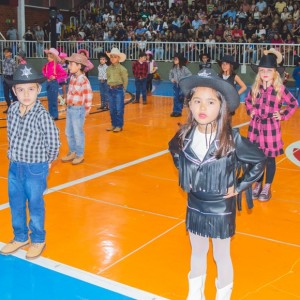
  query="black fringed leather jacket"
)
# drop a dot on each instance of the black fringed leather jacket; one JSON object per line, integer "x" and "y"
{"x": 240, "y": 168}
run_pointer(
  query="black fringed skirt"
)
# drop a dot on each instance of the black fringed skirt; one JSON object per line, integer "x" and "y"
{"x": 210, "y": 215}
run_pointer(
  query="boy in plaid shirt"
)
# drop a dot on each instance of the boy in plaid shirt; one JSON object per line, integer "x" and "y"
{"x": 79, "y": 102}
{"x": 140, "y": 73}
{"x": 33, "y": 140}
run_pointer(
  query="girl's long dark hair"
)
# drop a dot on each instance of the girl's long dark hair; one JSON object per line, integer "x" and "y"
{"x": 223, "y": 125}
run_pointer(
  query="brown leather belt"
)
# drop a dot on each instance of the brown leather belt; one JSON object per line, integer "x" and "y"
{"x": 116, "y": 86}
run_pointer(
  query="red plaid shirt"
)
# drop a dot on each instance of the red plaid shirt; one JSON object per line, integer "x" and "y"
{"x": 80, "y": 92}
{"x": 140, "y": 70}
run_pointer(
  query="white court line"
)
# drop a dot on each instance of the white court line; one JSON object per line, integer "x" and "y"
{"x": 268, "y": 239}
{"x": 105, "y": 172}
{"x": 89, "y": 277}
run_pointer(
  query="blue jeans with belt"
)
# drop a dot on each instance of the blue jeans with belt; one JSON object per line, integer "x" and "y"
{"x": 75, "y": 129}
{"x": 116, "y": 106}
{"x": 28, "y": 182}
{"x": 141, "y": 88}
{"x": 52, "y": 94}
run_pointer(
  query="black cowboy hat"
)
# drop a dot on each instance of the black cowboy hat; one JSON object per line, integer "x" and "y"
{"x": 25, "y": 73}
{"x": 229, "y": 59}
{"x": 209, "y": 78}
{"x": 103, "y": 54}
{"x": 271, "y": 59}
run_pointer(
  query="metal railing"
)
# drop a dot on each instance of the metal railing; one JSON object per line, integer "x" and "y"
{"x": 243, "y": 53}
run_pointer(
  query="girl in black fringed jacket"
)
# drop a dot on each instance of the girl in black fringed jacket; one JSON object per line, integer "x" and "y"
{"x": 209, "y": 155}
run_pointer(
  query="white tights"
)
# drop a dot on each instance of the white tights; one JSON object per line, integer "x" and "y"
{"x": 221, "y": 253}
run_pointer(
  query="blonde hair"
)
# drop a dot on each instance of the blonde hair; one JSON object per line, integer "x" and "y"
{"x": 277, "y": 85}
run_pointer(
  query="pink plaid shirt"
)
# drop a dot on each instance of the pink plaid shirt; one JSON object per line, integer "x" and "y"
{"x": 263, "y": 129}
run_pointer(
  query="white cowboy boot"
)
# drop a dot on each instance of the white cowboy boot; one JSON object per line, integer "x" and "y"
{"x": 225, "y": 292}
{"x": 196, "y": 288}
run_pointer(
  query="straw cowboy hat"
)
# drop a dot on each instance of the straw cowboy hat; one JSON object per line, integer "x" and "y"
{"x": 79, "y": 59}
{"x": 54, "y": 52}
{"x": 209, "y": 78}
{"x": 271, "y": 59}
{"x": 228, "y": 59}
{"x": 25, "y": 73}
{"x": 116, "y": 51}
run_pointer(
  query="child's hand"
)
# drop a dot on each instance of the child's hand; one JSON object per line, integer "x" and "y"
{"x": 230, "y": 192}
{"x": 277, "y": 116}
{"x": 252, "y": 114}
{"x": 87, "y": 111}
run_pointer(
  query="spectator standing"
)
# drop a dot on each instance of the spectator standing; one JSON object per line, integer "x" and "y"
{"x": 8, "y": 67}
{"x": 29, "y": 38}
{"x": 40, "y": 37}
{"x": 12, "y": 35}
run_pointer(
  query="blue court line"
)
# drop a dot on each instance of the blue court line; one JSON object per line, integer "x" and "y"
{"x": 45, "y": 279}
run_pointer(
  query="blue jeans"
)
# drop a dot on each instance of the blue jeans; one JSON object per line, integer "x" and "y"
{"x": 74, "y": 129}
{"x": 27, "y": 181}
{"x": 103, "y": 87}
{"x": 141, "y": 88}
{"x": 116, "y": 106}
{"x": 178, "y": 99}
{"x": 52, "y": 94}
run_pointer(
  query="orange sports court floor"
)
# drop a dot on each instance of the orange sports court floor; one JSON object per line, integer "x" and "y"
{"x": 118, "y": 218}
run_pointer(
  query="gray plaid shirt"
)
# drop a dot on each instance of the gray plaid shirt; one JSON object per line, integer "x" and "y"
{"x": 32, "y": 137}
{"x": 8, "y": 66}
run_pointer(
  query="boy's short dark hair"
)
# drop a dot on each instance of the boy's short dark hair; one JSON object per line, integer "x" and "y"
{"x": 141, "y": 54}
{"x": 7, "y": 50}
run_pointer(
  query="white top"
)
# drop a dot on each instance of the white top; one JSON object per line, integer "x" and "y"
{"x": 200, "y": 140}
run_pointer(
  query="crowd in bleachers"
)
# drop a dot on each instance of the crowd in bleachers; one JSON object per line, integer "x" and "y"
{"x": 141, "y": 22}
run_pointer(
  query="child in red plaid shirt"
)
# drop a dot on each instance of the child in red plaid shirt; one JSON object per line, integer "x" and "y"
{"x": 264, "y": 105}
{"x": 140, "y": 73}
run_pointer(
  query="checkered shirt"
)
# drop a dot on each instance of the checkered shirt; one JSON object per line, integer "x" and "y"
{"x": 102, "y": 71}
{"x": 8, "y": 66}
{"x": 80, "y": 92}
{"x": 33, "y": 137}
{"x": 263, "y": 129}
{"x": 140, "y": 70}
